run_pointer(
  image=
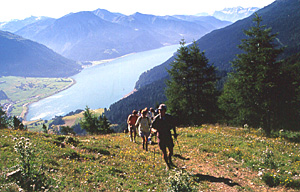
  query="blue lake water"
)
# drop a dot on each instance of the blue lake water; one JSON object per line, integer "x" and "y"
{"x": 101, "y": 85}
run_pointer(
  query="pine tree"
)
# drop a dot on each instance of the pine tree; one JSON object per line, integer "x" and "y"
{"x": 45, "y": 129}
{"x": 250, "y": 94}
{"x": 191, "y": 91}
{"x": 17, "y": 124}
{"x": 94, "y": 125}
{"x": 3, "y": 119}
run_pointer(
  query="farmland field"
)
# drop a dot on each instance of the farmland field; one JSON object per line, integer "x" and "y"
{"x": 21, "y": 91}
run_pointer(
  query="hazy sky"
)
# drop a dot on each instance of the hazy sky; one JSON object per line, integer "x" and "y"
{"x": 20, "y": 9}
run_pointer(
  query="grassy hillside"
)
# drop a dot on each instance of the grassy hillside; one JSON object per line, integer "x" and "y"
{"x": 21, "y": 91}
{"x": 216, "y": 159}
{"x": 67, "y": 120}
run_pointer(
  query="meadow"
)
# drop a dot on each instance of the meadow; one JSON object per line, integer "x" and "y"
{"x": 207, "y": 158}
{"x": 21, "y": 91}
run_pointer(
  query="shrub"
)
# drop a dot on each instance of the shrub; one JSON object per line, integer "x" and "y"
{"x": 179, "y": 181}
{"x": 71, "y": 140}
{"x": 26, "y": 175}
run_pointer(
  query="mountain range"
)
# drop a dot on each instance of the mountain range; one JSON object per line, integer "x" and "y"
{"x": 234, "y": 14}
{"x": 23, "y": 57}
{"x": 100, "y": 34}
{"x": 90, "y": 35}
{"x": 220, "y": 48}
{"x": 15, "y": 25}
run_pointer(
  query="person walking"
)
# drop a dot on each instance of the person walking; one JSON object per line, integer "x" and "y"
{"x": 162, "y": 125}
{"x": 132, "y": 118}
{"x": 143, "y": 123}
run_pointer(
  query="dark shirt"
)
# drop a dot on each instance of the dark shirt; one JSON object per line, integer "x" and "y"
{"x": 163, "y": 125}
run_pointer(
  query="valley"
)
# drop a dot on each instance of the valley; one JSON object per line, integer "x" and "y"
{"x": 22, "y": 91}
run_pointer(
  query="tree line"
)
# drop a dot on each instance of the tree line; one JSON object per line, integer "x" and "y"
{"x": 260, "y": 91}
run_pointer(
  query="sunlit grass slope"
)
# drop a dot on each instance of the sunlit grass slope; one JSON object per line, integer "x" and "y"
{"x": 216, "y": 158}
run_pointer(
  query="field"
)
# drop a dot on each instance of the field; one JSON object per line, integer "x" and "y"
{"x": 73, "y": 119}
{"x": 208, "y": 158}
{"x": 21, "y": 91}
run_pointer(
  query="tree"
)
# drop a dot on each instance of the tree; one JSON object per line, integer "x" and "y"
{"x": 66, "y": 130}
{"x": 94, "y": 125}
{"x": 45, "y": 129}
{"x": 3, "y": 119}
{"x": 250, "y": 95}
{"x": 17, "y": 124}
{"x": 104, "y": 124}
{"x": 191, "y": 91}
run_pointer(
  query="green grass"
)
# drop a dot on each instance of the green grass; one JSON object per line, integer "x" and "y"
{"x": 21, "y": 90}
{"x": 215, "y": 157}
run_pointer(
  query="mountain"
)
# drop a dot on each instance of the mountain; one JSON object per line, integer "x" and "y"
{"x": 101, "y": 34}
{"x": 209, "y": 22}
{"x": 31, "y": 30}
{"x": 14, "y": 25}
{"x": 85, "y": 36}
{"x": 232, "y": 14}
{"x": 3, "y": 96}
{"x": 235, "y": 13}
{"x": 106, "y": 15}
{"x": 169, "y": 29}
{"x": 23, "y": 57}
{"x": 220, "y": 46}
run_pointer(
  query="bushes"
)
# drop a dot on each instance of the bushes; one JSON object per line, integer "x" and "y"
{"x": 179, "y": 180}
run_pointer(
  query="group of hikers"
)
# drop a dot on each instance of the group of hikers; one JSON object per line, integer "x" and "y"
{"x": 149, "y": 123}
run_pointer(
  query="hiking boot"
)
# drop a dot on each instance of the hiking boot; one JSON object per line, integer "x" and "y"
{"x": 172, "y": 164}
{"x": 168, "y": 167}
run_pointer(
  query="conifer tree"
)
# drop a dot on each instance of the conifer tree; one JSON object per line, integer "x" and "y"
{"x": 94, "y": 125}
{"x": 17, "y": 124}
{"x": 191, "y": 91}
{"x": 251, "y": 92}
{"x": 3, "y": 119}
{"x": 44, "y": 128}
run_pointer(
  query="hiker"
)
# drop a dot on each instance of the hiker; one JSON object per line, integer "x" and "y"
{"x": 151, "y": 115}
{"x": 162, "y": 125}
{"x": 131, "y": 125}
{"x": 143, "y": 123}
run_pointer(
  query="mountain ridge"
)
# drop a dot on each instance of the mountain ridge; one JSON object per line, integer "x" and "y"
{"x": 119, "y": 35}
{"x": 220, "y": 47}
{"x": 23, "y": 57}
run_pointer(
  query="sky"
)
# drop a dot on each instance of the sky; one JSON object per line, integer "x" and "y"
{"x": 20, "y": 9}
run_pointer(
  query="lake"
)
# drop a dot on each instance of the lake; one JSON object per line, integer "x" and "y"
{"x": 101, "y": 85}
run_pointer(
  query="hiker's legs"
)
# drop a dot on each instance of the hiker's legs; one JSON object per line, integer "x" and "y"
{"x": 134, "y": 133}
{"x": 145, "y": 143}
{"x": 130, "y": 129}
{"x": 165, "y": 156}
{"x": 170, "y": 155}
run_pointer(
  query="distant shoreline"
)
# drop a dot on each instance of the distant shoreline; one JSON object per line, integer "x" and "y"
{"x": 26, "y": 105}
{"x": 94, "y": 63}
{"x": 100, "y": 62}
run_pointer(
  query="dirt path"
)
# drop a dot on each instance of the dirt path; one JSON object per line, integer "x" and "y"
{"x": 215, "y": 175}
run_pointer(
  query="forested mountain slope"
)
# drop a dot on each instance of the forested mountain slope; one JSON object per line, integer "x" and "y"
{"x": 220, "y": 46}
